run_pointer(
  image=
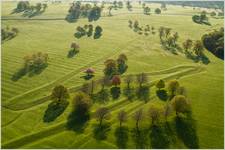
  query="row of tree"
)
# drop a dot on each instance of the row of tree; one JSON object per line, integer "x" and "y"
{"x": 8, "y": 33}
{"x": 88, "y": 30}
{"x": 26, "y": 6}
{"x": 140, "y": 29}
{"x": 78, "y": 10}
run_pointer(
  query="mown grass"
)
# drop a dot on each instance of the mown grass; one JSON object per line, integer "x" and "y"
{"x": 145, "y": 54}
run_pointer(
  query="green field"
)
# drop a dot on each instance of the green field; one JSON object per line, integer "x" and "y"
{"x": 25, "y": 101}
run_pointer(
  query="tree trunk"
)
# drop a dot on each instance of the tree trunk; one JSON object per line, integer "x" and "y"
{"x": 120, "y": 124}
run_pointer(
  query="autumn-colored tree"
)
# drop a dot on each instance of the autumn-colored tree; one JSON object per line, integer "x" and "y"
{"x": 110, "y": 68}
{"x": 116, "y": 80}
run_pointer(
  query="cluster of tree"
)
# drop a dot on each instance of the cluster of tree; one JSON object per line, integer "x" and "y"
{"x": 33, "y": 64}
{"x": 74, "y": 49}
{"x": 167, "y": 93}
{"x": 115, "y": 67}
{"x": 195, "y": 50}
{"x": 88, "y": 30}
{"x": 8, "y": 33}
{"x": 214, "y": 42}
{"x": 140, "y": 29}
{"x": 167, "y": 38}
{"x": 115, "y": 5}
{"x": 30, "y": 10}
{"x": 201, "y": 19}
{"x": 78, "y": 10}
{"x": 129, "y": 6}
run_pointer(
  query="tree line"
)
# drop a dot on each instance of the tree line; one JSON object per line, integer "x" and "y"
{"x": 88, "y": 30}
{"x": 78, "y": 10}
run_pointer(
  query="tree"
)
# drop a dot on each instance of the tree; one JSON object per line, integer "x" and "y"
{"x": 161, "y": 32}
{"x": 104, "y": 81}
{"x": 128, "y": 80}
{"x": 116, "y": 80}
{"x": 175, "y": 38}
{"x": 121, "y": 63}
{"x": 82, "y": 104}
{"x": 136, "y": 24}
{"x": 154, "y": 113}
{"x": 163, "y": 6}
{"x": 110, "y": 68}
{"x": 187, "y": 45}
{"x": 90, "y": 30}
{"x": 158, "y": 11}
{"x": 101, "y": 114}
{"x": 122, "y": 117}
{"x": 90, "y": 73}
{"x": 167, "y": 31}
{"x": 15, "y": 30}
{"x": 138, "y": 116}
{"x": 203, "y": 16}
{"x": 173, "y": 87}
{"x": 110, "y": 8}
{"x": 167, "y": 110}
{"x": 160, "y": 84}
{"x": 213, "y": 14}
{"x": 130, "y": 23}
{"x": 59, "y": 94}
{"x": 180, "y": 104}
{"x": 120, "y": 4}
{"x": 98, "y": 32}
{"x": 75, "y": 46}
{"x": 142, "y": 78}
{"x": 147, "y": 10}
{"x": 198, "y": 48}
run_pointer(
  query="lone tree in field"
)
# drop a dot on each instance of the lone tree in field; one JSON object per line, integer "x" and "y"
{"x": 167, "y": 32}
{"x": 82, "y": 104}
{"x": 141, "y": 79}
{"x": 154, "y": 113}
{"x": 161, "y": 32}
{"x": 110, "y": 68}
{"x": 198, "y": 48}
{"x": 187, "y": 45}
{"x": 101, "y": 114}
{"x": 180, "y": 104}
{"x": 122, "y": 117}
{"x": 75, "y": 46}
{"x": 158, "y": 11}
{"x": 160, "y": 84}
{"x": 121, "y": 63}
{"x": 138, "y": 116}
{"x": 173, "y": 87}
{"x": 167, "y": 110}
{"x": 59, "y": 94}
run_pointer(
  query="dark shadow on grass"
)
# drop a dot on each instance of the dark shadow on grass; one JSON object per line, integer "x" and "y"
{"x": 139, "y": 137}
{"x": 186, "y": 131}
{"x": 77, "y": 121}
{"x": 121, "y": 134}
{"x": 54, "y": 110}
{"x": 158, "y": 137}
{"x": 162, "y": 94}
{"x": 100, "y": 132}
{"x": 72, "y": 53}
{"x": 87, "y": 77}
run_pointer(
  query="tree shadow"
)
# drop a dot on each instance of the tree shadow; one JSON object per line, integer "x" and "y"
{"x": 143, "y": 93}
{"x": 54, "y": 110}
{"x": 77, "y": 121}
{"x": 100, "y": 132}
{"x": 158, "y": 137}
{"x": 204, "y": 59}
{"x": 121, "y": 134}
{"x": 115, "y": 92}
{"x": 102, "y": 96}
{"x": 162, "y": 94}
{"x": 186, "y": 131}
{"x": 31, "y": 72}
{"x": 97, "y": 36}
{"x": 72, "y": 53}
{"x": 87, "y": 77}
{"x": 140, "y": 138}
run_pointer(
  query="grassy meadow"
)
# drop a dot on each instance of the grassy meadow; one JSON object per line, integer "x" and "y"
{"x": 25, "y": 101}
